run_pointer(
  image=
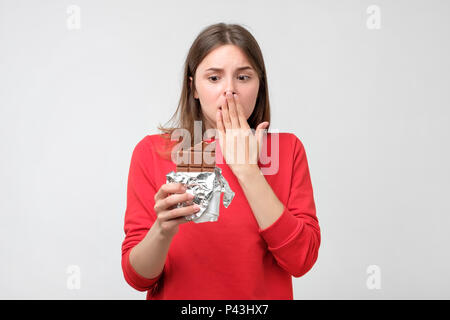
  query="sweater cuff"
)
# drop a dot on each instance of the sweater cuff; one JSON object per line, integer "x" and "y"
{"x": 282, "y": 230}
{"x": 139, "y": 282}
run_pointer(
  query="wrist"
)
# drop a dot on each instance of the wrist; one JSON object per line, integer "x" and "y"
{"x": 248, "y": 173}
{"x": 159, "y": 234}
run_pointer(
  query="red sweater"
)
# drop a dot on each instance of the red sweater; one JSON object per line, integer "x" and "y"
{"x": 231, "y": 258}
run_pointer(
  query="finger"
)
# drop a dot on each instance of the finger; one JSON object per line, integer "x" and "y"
{"x": 169, "y": 188}
{"x": 173, "y": 223}
{"x": 181, "y": 220}
{"x": 259, "y": 133}
{"x": 240, "y": 111}
{"x": 181, "y": 212}
{"x": 220, "y": 128}
{"x": 172, "y": 200}
{"x": 232, "y": 111}
{"x": 260, "y": 129}
{"x": 176, "y": 199}
{"x": 219, "y": 121}
{"x": 226, "y": 116}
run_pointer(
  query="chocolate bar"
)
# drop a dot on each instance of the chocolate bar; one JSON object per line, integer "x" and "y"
{"x": 199, "y": 158}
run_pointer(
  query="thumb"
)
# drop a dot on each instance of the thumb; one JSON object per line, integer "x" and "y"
{"x": 260, "y": 131}
{"x": 261, "y": 127}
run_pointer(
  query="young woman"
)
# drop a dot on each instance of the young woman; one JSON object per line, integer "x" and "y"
{"x": 267, "y": 234}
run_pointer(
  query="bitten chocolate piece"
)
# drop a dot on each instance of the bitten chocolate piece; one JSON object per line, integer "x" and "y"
{"x": 199, "y": 158}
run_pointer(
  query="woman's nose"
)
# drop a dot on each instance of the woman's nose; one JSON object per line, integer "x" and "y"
{"x": 225, "y": 93}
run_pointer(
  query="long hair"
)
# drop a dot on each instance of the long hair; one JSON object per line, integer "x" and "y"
{"x": 189, "y": 109}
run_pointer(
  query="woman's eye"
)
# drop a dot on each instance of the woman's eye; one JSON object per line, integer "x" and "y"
{"x": 240, "y": 78}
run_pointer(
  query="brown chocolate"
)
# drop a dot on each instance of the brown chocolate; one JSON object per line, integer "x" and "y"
{"x": 199, "y": 158}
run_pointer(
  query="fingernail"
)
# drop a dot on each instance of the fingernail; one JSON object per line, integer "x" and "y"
{"x": 196, "y": 207}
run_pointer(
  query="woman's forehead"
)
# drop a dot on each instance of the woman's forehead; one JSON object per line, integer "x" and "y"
{"x": 225, "y": 57}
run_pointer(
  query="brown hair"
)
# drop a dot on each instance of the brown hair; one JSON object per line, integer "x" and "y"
{"x": 189, "y": 109}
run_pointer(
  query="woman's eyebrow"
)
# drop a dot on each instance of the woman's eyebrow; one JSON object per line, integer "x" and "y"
{"x": 238, "y": 69}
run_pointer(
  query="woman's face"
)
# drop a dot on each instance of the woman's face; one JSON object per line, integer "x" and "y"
{"x": 226, "y": 68}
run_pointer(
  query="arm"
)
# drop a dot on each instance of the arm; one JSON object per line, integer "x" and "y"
{"x": 291, "y": 231}
{"x": 144, "y": 250}
{"x": 266, "y": 209}
{"x": 148, "y": 257}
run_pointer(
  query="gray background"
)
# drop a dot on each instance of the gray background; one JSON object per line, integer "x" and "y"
{"x": 370, "y": 106}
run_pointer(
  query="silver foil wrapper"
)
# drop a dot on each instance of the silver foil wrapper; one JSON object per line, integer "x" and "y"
{"x": 206, "y": 188}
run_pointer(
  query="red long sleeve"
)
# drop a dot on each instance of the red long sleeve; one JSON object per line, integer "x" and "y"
{"x": 294, "y": 239}
{"x": 231, "y": 258}
{"x": 139, "y": 215}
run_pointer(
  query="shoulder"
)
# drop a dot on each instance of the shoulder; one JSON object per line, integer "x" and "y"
{"x": 145, "y": 146}
{"x": 156, "y": 146}
{"x": 152, "y": 141}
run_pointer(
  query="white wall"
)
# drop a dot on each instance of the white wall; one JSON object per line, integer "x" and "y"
{"x": 370, "y": 106}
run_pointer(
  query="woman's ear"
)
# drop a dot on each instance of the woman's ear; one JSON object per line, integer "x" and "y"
{"x": 190, "y": 85}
